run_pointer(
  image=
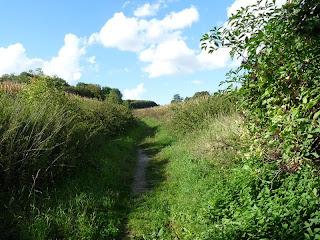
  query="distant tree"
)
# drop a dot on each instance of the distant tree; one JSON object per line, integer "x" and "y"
{"x": 8, "y": 77}
{"x": 177, "y": 98}
{"x": 105, "y": 92}
{"x": 24, "y": 77}
{"x": 187, "y": 99}
{"x": 115, "y": 95}
{"x": 201, "y": 94}
{"x": 138, "y": 104}
{"x": 95, "y": 90}
{"x": 59, "y": 82}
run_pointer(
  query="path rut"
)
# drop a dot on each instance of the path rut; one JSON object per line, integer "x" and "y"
{"x": 139, "y": 184}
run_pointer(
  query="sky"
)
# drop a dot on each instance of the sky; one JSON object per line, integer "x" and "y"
{"x": 149, "y": 50}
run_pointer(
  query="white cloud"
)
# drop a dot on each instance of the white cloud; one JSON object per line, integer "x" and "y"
{"x": 66, "y": 64}
{"x": 126, "y": 69}
{"x": 120, "y": 32}
{"x": 244, "y": 3}
{"x": 133, "y": 34}
{"x": 168, "y": 58}
{"x": 147, "y": 10}
{"x": 14, "y": 60}
{"x": 197, "y": 82}
{"x": 218, "y": 59}
{"x": 174, "y": 57}
{"x": 135, "y": 94}
{"x": 91, "y": 59}
{"x": 125, "y": 4}
{"x": 181, "y": 19}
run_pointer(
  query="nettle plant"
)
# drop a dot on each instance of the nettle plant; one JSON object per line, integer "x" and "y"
{"x": 279, "y": 76}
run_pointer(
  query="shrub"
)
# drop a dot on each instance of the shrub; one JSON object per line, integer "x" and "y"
{"x": 196, "y": 113}
{"x": 279, "y": 74}
{"x": 45, "y": 133}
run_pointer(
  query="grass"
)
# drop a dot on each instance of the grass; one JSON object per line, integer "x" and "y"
{"x": 181, "y": 175}
{"x": 93, "y": 203}
{"x": 209, "y": 184}
{"x": 65, "y": 170}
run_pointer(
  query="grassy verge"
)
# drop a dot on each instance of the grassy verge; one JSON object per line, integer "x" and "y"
{"x": 210, "y": 184}
{"x": 65, "y": 164}
{"x": 182, "y": 177}
{"x": 93, "y": 203}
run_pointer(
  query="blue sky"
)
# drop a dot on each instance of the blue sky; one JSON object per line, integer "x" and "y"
{"x": 148, "y": 49}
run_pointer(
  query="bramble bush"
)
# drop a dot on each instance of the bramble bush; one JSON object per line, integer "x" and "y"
{"x": 279, "y": 100}
{"x": 279, "y": 75}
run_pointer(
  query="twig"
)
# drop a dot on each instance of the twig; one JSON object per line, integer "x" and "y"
{"x": 34, "y": 182}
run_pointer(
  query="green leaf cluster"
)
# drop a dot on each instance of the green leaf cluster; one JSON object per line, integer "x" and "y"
{"x": 279, "y": 75}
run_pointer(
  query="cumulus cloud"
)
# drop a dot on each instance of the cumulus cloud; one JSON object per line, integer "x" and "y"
{"x": 168, "y": 58}
{"x": 159, "y": 43}
{"x": 174, "y": 57}
{"x": 120, "y": 32}
{"x": 147, "y": 10}
{"x": 14, "y": 60}
{"x": 133, "y": 34}
{"x": 135, "y": 94}
{"x": 66, "y": 64}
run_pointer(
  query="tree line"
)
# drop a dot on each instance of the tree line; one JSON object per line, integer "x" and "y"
{"x": 88, "y": 90}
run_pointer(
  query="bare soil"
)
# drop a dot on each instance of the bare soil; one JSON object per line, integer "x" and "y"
{"x": 139, "y": 184}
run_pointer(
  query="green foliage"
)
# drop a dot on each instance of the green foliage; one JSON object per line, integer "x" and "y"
{"x": 201, "y": 94}
{"x": 114, "y": 96}
{"x": 279, "y": 74}
{"x": 177, "y": 98}
{"x": 21, "y": 78}
{"x": 139, "y": 104}
{"x": 94, "y": 202}
{"x": 45, "y": 136}
{"x": 203, "y": 187}
{"x": 197, "y": 113}
{"x": 81, "y": 89}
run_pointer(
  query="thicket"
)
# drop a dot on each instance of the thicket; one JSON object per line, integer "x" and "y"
{"x": 279, "y": 75}
{"x": 45, "y": 135}
{"x": 138, "y": 104}
{"x": 196, "y": 113}
{"x": 280, "y": 84}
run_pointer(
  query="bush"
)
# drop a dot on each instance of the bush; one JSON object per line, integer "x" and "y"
{"x": 196, "y": 113}
{"x": 45, "y": 133}
{"x": 279, "y": 74}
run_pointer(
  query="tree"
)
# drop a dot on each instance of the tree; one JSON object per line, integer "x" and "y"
{"x": 279, "y": 74}
{"x": 176, "y": 98}
{"x": 105, "y": 92}
{"x": 115, "y": 96}
{"x": 201, "y": 94}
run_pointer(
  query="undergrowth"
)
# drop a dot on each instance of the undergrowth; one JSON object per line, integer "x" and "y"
{"x": 52, "y": 145}
{"x": 208, "y": 184}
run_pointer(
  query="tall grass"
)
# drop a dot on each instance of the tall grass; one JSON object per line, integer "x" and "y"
{"x": 45, "y": 137}
{"x": 197, "y": 113}
{"x": 211, "y": 188}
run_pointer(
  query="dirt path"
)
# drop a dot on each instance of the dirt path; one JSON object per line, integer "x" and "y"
{"x": 139, "y": 184}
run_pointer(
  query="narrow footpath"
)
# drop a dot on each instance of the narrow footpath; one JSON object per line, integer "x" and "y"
{"x": 139, "y": 184}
